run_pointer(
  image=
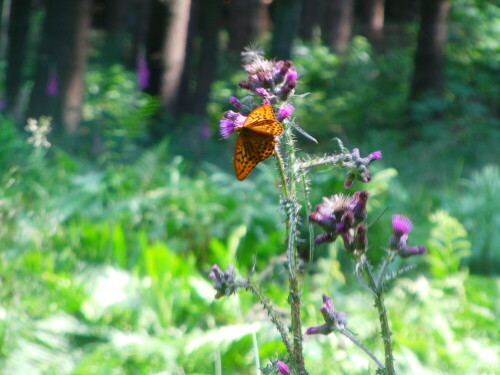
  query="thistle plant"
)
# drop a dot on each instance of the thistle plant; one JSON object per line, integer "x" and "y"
{"x": 263, "y": 120}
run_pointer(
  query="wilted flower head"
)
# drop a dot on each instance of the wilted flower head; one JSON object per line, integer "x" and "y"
{"x": 334, "y": 320}
{"x": 271, "y": 80}
{"x": 282, "y": 368}
{"x": 339, "y": 215}
{"x": 224, "y": 281}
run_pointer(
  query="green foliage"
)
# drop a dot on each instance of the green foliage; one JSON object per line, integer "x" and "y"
{"x": 479, "y": 210}
{"x": 447, "y": 245}
{"x": 116, "y": 113}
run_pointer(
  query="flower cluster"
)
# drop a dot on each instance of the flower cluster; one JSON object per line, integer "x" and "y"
{"x": 39, "y": 131}
{"x": 342, "y": 215}
{"x": 334, "y": 320}
{"x": 401, "y": 226}
{"x": 273, "y": 81}
{"x": 224, "y": 281}
{"x": 358, "y": 167}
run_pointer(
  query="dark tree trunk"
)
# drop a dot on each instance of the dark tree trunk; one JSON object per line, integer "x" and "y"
{"x": 372, "y": 19}
{"x": 61, "y": 65}
{"x": 16, "y": 50}
{"x": 210, "y": 25}
{"x": 139, "y": 29}
{"x": 243, "y": 23}
{"x": 111, "y": 16}
{"x": 429, "y": 58}
{"x": 311, "y": 15}
{"x": 338, "y": 25}
{"x": 286, "y": 16}
{"x": 154, "y": 44}
{"x": 402, "y": 10}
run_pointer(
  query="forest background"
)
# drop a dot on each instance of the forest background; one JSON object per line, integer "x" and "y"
{"x": 111, "y": 219}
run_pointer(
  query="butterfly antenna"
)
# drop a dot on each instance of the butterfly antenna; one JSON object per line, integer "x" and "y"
{"x": 378, "y": 217}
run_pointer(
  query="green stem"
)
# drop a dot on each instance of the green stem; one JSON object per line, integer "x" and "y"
{"x": 288, "y": 178}
{"x": 272, "y": 314}
{"x": 308, "y": 212}
{"x": 388, "y": 260}
{"x": 351, "y": 337}
{"x": 382, "y": 312}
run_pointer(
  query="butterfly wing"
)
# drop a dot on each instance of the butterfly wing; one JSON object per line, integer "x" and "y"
{"x": 251, "y": 148}
{"x": 261, "y": 120}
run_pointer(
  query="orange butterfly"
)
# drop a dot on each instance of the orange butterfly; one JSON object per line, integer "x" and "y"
{"x": 256, "y": 141}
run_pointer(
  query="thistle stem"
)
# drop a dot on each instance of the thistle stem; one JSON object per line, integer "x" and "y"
{"x": 382, "y": 312}
{"x": 288, "y": 178}
{"x": 272, "y": 314}
{"x": 388, "y": 260}
{"x": 358, "y": 343}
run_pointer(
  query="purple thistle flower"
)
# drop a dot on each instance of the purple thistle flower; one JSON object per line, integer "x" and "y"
{"x": 291, "y": 76}
{"x": 325, "y": 238}
{"x": 226, "y": 127}
{"x": 142, "y": 73}
{"x": 334, "y": 319}
{"x": 245, "y": 85}
{"x": 285, "y": 112}
{"x": 401, "y": 226}
{"x": 52, "y": 84}
{"x": 266, "y": 101}
{"x": 375, "y": 155}
{"x": 234, "y": 101}
{"x": 358, "y": 206}
{"x": 262, "y": 92}
{"x": 282, "y": 368}
{"x": 230, "y": 122}
{"x": 361, "y": 240}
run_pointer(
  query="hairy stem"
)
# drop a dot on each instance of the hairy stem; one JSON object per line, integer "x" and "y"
{"x": 272, "y": 314}
{"x": 382, "y": 313}
{"x": 351, "y": 337}
{"x": 388, "y": 259}
{"x": 289, "y": 201}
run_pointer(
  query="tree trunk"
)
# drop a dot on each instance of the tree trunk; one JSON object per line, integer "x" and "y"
{"x": 210, "y": 25}
{"x": 174, "y": 51}
{"x": 429, "y": 58}
{"x": 139, "y": 28}
{"x": 16, "y": 50}
{"x": 243, "y": 23}
{"x": 61, "y": 65}
{"x": 310, "y": 19}
{"x": 372, "y": 18}
{"x": 286, "y": 16}
{"x": 339, "y": 24}
{"x": 154, "y": 43}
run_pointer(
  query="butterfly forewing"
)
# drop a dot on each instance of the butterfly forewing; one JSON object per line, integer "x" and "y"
{"x": 261, "y": 120}
{"x": 256, "y": 141}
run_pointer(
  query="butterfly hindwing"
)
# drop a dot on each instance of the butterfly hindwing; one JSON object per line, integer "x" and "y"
{"x": 250, "y": 150}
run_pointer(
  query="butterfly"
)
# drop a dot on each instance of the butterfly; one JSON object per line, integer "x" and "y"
{"x": 256, "y": 140}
